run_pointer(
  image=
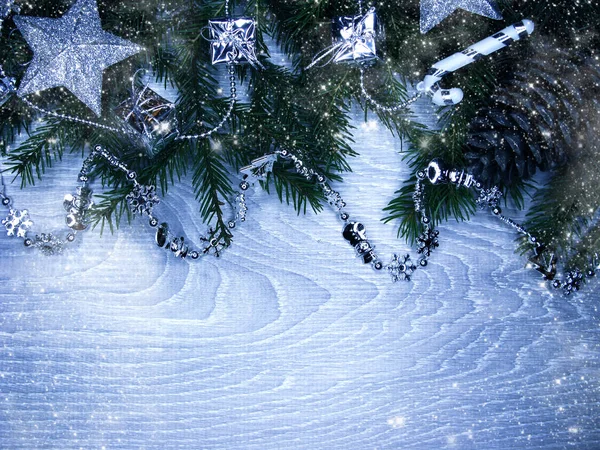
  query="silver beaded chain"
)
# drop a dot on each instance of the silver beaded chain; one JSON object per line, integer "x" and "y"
{"x": 401, "y": 267}
{"x": 206, "y": 134}
{"x": 143, "y": 198}
{"x": 380, "y": 107}
{"x": 17, "y": 222}
{"x": 541, "y": 260}
{"x": 232, "y": 100}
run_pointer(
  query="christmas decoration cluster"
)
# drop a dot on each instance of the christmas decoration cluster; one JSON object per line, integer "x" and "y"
{"x": 533, "y": 107}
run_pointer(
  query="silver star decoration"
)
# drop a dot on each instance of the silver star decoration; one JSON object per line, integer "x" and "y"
{"x": 434, "y": 11}
{"x": 72, "y": 51}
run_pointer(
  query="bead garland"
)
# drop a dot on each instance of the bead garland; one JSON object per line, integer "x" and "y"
{"x": 17, "y": 222}
{"x": 388, "y": 109}
{"x": 571, "y": 281}
{"x": 401, "y": 267}
{"x": 143, "y": 198}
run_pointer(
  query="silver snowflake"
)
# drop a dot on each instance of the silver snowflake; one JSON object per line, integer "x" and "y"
{"x": 401, "y": 268}
{"x": 489, "y": 198}
{"x": 142, "y": 199}
{"x": 17, "y": 222}
{"x": 428, "y": 241}
{"x": 48, "y": 244}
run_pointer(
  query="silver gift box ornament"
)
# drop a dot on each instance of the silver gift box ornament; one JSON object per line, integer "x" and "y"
{"x": 357, "y": 37}
{"x": 233, "y": 40}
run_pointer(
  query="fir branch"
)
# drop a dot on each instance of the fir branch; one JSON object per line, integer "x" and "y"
{"x": 212, "y": 186}
{"x": 109, "y": 208}
{"x": 46, "y": 145}
{"x": 564, "y": 211}
{"x": 442, "y": 201}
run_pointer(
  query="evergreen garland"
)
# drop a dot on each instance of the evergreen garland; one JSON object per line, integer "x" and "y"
{"x": 309, "y": 111}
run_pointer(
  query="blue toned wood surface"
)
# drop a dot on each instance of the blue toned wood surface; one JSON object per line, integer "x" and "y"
{"x": 288, "y": 341}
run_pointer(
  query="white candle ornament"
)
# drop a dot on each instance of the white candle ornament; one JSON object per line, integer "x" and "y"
{"x": 475, "y": 52}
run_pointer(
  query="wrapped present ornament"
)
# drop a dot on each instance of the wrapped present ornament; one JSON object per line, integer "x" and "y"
{"x": 354, "y": 40}
{"x": 151, "y": 118}
{"x": 233, "y": 41}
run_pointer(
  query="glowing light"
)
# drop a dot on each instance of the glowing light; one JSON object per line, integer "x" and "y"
{"x": 397, "y": 422}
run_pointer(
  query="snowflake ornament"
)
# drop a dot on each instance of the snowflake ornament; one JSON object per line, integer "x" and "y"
{"x": 17, "y": 222}
{"x": 401, "y": 268}
{"x": 427, "y": 242}
{"x": 489, "y": 198}
{"x": 48, "y": 244}
{"x": 572, "y": 282}
{"x": 142, "y": 199}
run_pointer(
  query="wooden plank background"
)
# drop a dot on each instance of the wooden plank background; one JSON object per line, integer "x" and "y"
{"x": 288, "y": 341}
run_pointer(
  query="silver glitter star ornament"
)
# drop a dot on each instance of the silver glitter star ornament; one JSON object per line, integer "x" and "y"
{"x": 71, "y": 51}
{"x": 434, "y": 11}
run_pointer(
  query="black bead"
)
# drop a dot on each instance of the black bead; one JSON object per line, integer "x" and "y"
{"x": 194, "y": 255}
{"x": 162, "y": 234}
{"x": 591, "y": 273}
{"x": 231, "y": 224}
{"x": 368, "y": 257}
{"x": 497, "y": 211}
{"x": 244, "y": 185}
{"x": 153, "y": 222}
{"x": 344, "y": 216}
{"x": 6, "y": 201}
{"x": 28, "y": 242}
{"x": 377, "y": 265}
{"x": 556, "y": 284}
{"x": 354, "y": 232}
{"x": 423, "y": 262}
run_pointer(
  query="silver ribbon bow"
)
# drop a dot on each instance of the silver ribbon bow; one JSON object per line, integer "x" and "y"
{"x": 353, "y": 35}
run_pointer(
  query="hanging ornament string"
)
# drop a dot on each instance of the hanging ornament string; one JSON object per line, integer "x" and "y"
{"x": 17, "y": 222}
{"x": 388, "y": 109}
{"x": 401, "y": 267}
{"x": 233, "y": 42}
{"x": 377, "y": 105}
{"x": 72, "y": 118}
{"x": 542, "y": 260}
{"x": 225, "y": 118}
{"x": 143, "y": 198}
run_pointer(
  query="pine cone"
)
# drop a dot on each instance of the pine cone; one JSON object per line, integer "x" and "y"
{"x": 535, "y": 120}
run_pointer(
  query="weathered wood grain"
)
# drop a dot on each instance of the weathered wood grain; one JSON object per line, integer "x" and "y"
{"x": 288, "y": 341}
